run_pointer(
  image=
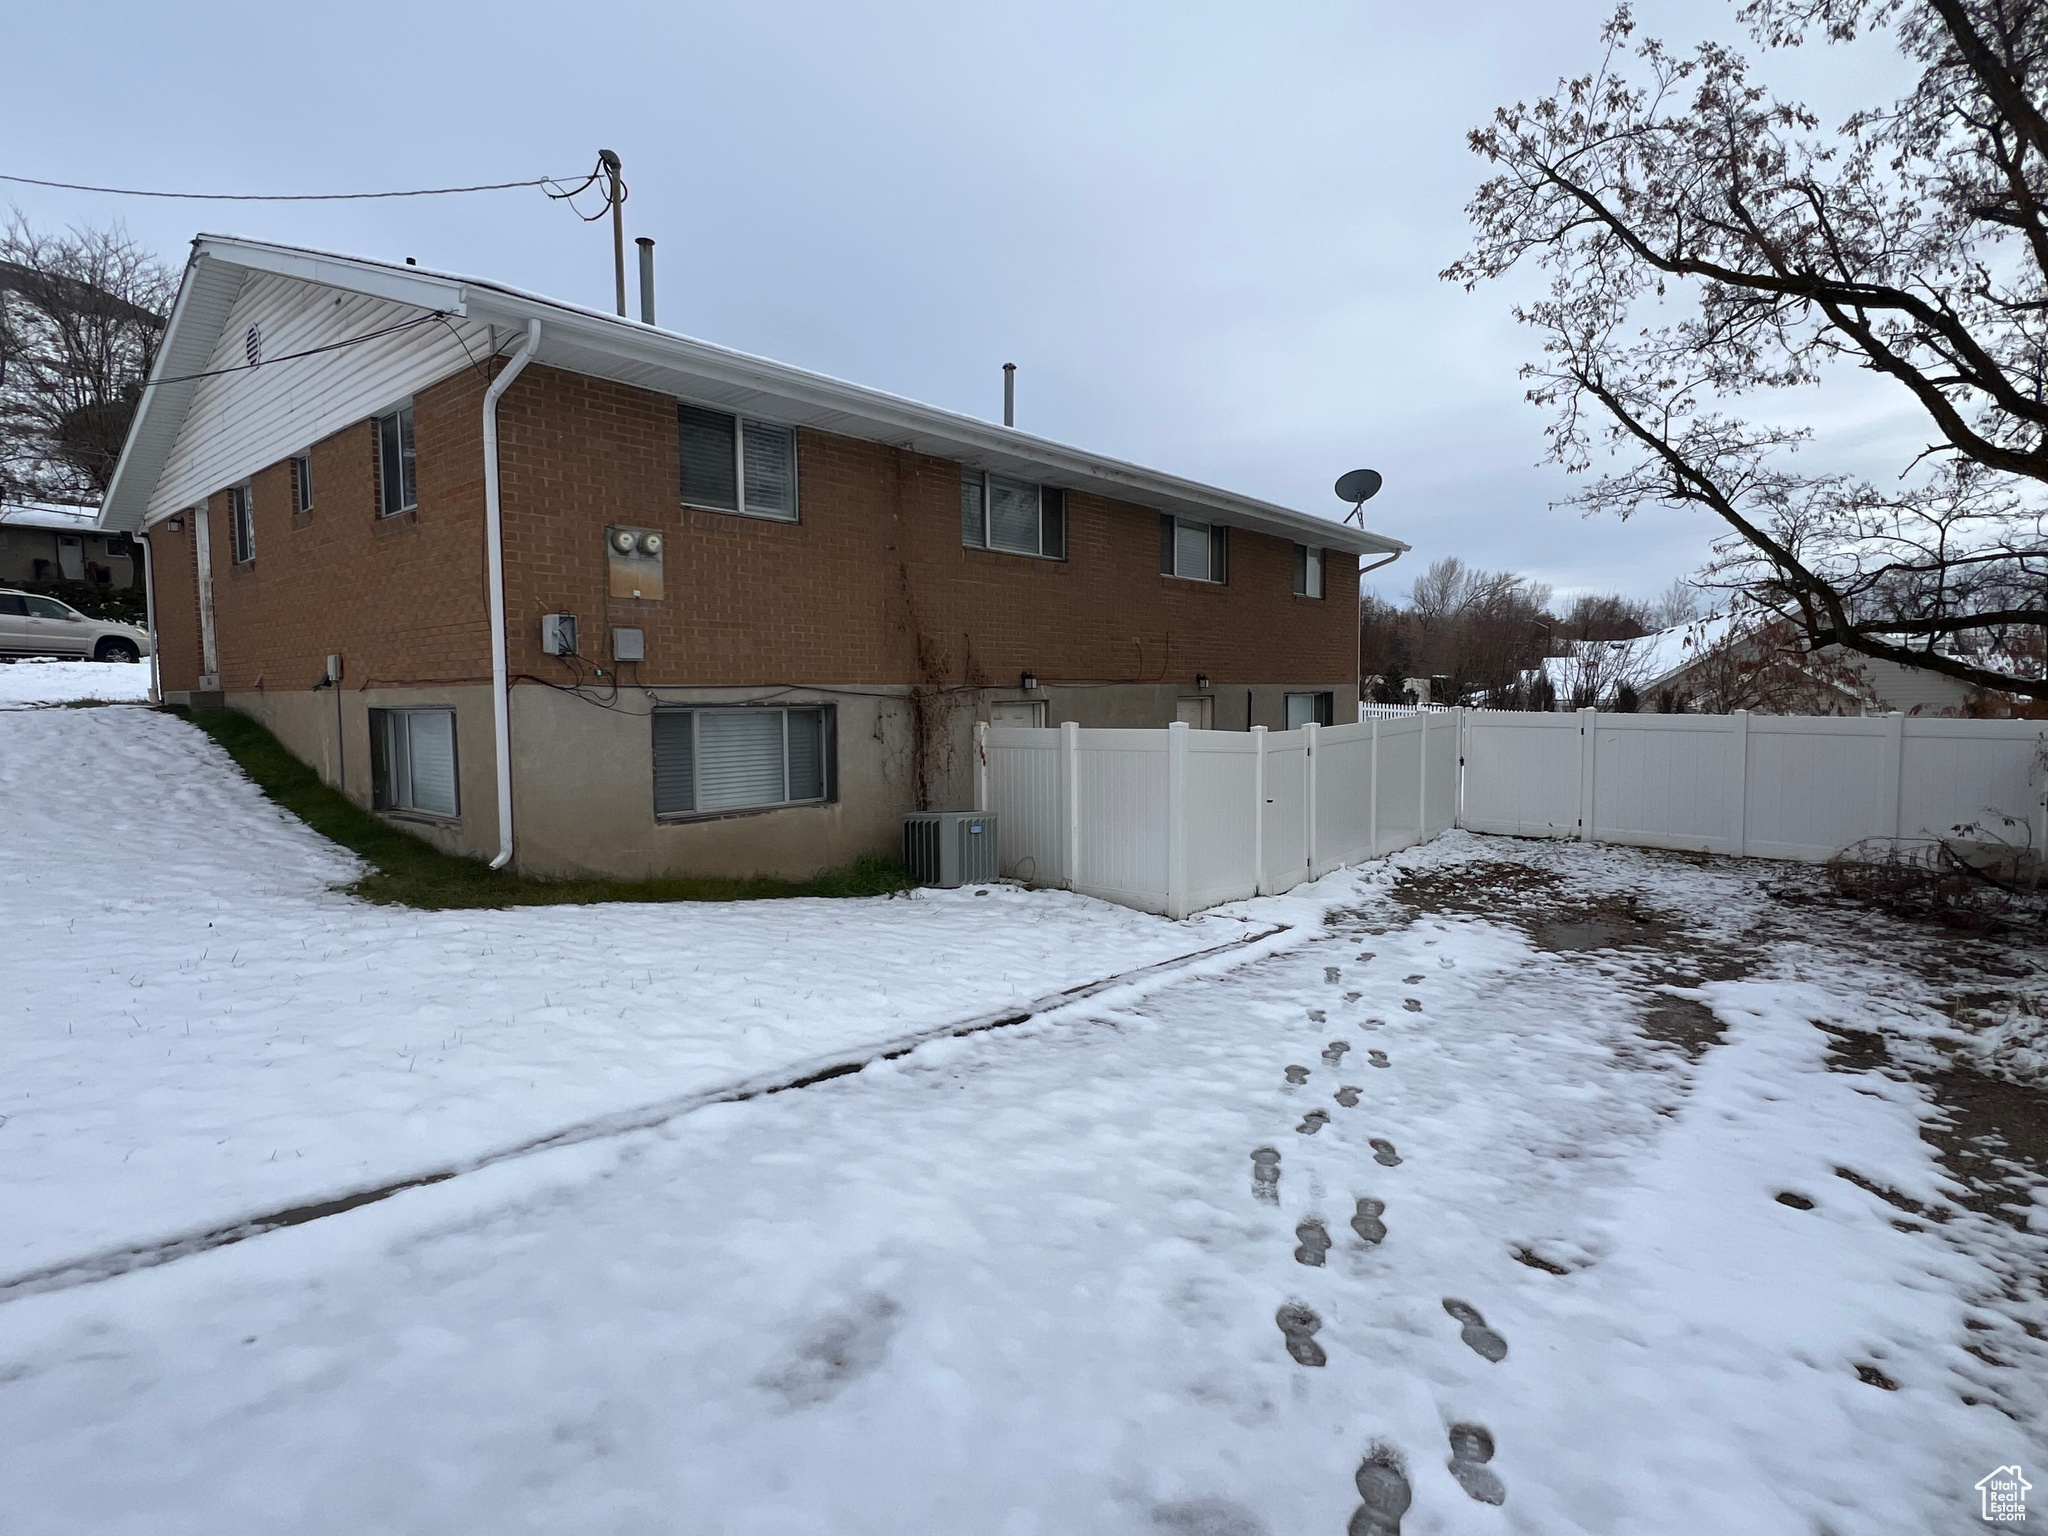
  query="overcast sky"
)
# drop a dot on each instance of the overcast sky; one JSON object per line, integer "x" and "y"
{"x": 1208, "y": 235}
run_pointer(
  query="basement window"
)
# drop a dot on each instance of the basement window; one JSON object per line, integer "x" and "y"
{"x": 710, "y": 762}
{"x": 1310, "y": 709}
{"x": 731, "y": 464}
{"x": 1308, "y": 571}
{"x": 412, "y": 761}
{"x": 241, "y": 525}
{"x": 397, "y": 464}
{"x": 1014, "y": 516}
{"x": 1193, "y": 551}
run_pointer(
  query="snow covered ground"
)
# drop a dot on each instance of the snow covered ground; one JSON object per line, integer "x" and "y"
{"x": 37, "y": 682}
{"x": 199, "y": 1029}
{"x": 1674, "y": 1145}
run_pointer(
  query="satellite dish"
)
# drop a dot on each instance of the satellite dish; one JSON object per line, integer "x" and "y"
{"x": 1358, "y": 487}
{"x": 1361, "y": 485}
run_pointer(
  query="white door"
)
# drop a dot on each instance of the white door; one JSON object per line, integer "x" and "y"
{"x": 1029, "y": 712}
{"x": 70, "y": 557}
{"x": 1198, "y": 714}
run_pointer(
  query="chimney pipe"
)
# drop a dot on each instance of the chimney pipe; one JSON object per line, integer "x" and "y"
{"x": 646, "y": 280}
{"x": 1009, "y": 394}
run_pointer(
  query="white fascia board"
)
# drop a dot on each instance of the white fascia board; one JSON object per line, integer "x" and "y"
{"x": 404, "y": 285}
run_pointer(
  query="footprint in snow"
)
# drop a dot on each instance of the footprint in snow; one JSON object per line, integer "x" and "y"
{"x": 1384, "y": 1488}
{"x": 1409, "y": 981}
{"x": 1383, "y": 1152}
{"x": 1412, "y": 1004}
{"x": 1331, "y": 973}
{"x": 1316, "y": 1016}
{"x": 1314, "y": 1240}
{"x": 1365, "y": 954}
{"x": 1352, "y": 997}
{"x": 1366, "y": 1220}
{"x": 1471, "y": 1449}
{"x": 1348, "y": 1096}
{"x": 1297, "y": 1075}
{"x": 1378, "y": 1058}
{"x": 1313, "y": 1121}
{"x": 1333, "y": 1053}
{"x": 1473, "y": 1330}
{"x": 1300, "y": 1325}
{"x": 1266, "y": 1175}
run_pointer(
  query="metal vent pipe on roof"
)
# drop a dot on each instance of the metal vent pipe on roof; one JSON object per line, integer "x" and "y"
{"x": 1009, "y": 394}
{"x": 646, "y": 280}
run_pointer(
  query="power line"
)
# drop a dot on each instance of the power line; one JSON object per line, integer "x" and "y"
{"x": 286, "y": 197}
{"x": 332, "y": 346}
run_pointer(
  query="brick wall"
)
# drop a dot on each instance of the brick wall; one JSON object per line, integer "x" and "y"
{"x": 173, "y": 572}
{"x": 401, "y": 598}
{"x": 872, "y": 586}
{"x": 874, "y": 574}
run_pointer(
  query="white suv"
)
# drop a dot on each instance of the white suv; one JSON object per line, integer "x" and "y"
{"x": 34, "y": 625}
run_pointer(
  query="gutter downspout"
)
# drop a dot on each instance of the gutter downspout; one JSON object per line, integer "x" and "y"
{"x": 494, "y": 540}
{"x": 156, "y": 676}
{"x": 1358, "y": 633}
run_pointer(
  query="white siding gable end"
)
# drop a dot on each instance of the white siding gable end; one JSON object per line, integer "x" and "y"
{"x": 243, "y": 421}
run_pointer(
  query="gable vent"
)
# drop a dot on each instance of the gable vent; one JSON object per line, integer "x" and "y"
{"x": 252, "y": 344}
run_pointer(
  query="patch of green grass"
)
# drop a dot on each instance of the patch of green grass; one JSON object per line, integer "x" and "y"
{"x": 408, "y": 871}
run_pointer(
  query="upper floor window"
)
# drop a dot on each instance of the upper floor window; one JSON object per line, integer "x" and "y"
{"x": 397, "y": 471}
{"x": 731, "y": 464}
{"x": 302, "y": 483}
{"x": 1308, "y": 571}
{"x": 241, "y": 525}
{"x": 1193, "y": 551}
{"x": 997, "y": 512}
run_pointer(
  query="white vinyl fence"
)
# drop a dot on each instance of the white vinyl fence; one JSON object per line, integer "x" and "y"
{"x": 1765, "y": 786}
{"x": 1176, "y": 820}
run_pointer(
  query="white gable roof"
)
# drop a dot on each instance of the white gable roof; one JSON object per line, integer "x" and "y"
{"x": 164, "y": 466}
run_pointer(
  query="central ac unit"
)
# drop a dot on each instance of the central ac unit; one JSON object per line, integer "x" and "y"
{"x": 950, "y": 848}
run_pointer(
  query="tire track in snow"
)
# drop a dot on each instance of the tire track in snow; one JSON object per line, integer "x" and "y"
{"x": 109, "y": 1264}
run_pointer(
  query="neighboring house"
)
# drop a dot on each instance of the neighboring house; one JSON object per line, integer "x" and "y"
{"x": 791, "y": 597}
{"x": 42, "y": 542}
{"x": 1691, "y": 666}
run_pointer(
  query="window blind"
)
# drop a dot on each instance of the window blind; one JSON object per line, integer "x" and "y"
{"x": 771, "y": 469}
{"x": 1012, "y": 515}
{"x": 675, "y": 782}
{"x": 1191, "y": 550}
{"x": 739, "y": 758}
{"x": 806, "y": 754}
{"x": 432, "y": 733}
{"x": 708, "y": 441}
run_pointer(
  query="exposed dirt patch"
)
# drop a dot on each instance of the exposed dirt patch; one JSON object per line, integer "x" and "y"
{"x": 1563, "y": 921}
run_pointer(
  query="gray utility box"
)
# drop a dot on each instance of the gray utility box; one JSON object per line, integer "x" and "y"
{"x": 950, "y": 847}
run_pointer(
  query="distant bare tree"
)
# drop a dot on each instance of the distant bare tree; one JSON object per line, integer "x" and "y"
{"x": 1601, "y": 674}
{"x": 1679, "y": 604}
{"x": 1477, "y": 630}
{"x": 1604, "y": 616}
{"x": 1912, "y": 242}
{"x": 81, "y": 316}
